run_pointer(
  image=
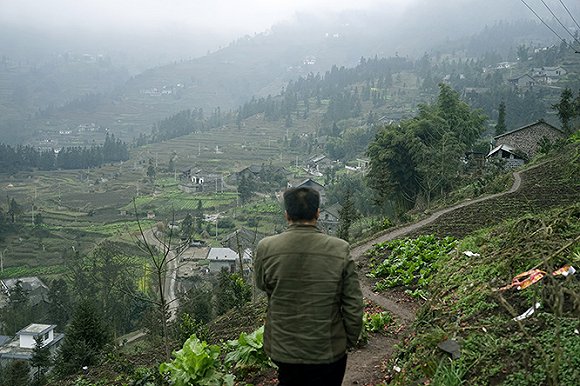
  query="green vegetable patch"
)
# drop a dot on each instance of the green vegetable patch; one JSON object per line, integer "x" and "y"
{"x": 408, "y": 263}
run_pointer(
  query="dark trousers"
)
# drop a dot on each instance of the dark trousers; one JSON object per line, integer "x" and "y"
{"x": 328, "y": 374}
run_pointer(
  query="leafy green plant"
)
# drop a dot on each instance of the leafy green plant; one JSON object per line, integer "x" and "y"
{"x": 376, "y": 322}
{"x": 409, "y": 262}
{"x": 248, "y": 351}
{"x": 197, "y": 363}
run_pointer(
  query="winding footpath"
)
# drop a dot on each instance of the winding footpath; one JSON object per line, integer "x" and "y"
{"x": 364, "y": 364}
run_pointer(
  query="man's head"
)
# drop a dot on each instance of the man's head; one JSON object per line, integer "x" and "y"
{"x": 301, "y": 204}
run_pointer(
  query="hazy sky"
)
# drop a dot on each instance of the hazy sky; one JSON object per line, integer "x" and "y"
{"x": 167, "y": 30}
{"x": 236, "y": 16}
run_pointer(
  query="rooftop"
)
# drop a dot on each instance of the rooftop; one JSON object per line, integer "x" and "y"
{"x": 225, "y": 254}
{"x": 36, "y": 329}
{"x": 28, "y": 283}
{"x": 12, "y": 349}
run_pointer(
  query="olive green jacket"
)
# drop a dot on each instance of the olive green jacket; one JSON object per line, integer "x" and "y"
{"x": 314, "y": 298}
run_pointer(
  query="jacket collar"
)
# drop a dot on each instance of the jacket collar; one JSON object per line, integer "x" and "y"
{"x": 308, "y": 227}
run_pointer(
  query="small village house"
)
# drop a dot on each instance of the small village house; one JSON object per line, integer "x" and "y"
{"x": 258, "y": 172}
{"x": 194, "y": 181}
{"x": 523, "y": 82}
{"x": 329, "y": 218}
{"x": 242, "y": 238}
{"x": 35, "y": 288}
{"x": 21, "y": 347}
{"x": 528, "y": 139}
{"x": 228, "y": 259}
{"x": 310, "y": 183}
{"x": 508, "y": 154}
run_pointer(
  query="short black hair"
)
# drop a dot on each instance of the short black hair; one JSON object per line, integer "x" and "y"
{"x": 301, "y": 203}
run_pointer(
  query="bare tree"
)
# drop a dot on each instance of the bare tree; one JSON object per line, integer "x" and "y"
{"x": 163, "y": 247}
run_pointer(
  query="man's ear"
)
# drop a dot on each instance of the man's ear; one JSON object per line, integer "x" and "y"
{"x": 317, "y": 213}
{"x": 286, "y": 215}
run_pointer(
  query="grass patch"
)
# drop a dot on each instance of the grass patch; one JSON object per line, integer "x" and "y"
{"x": 467, "y": 307}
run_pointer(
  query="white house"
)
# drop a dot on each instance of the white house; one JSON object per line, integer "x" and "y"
{"x": 22, "y": 346}
{"x": 220, "y": 258}
{"x": 30, "y": 332}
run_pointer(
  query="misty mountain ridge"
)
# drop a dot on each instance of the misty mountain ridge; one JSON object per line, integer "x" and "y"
{"x": 262, "y": 64}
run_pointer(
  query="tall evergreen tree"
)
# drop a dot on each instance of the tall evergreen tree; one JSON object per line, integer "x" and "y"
{"x": 60, "y": 303}
{"x": 41, "y": 360}
{"x": 348, "y": 215}
{"x": 198, "y": 214}
{"x": 18, "y": 312}
{"x": 566, "y": 110}
{"x": 392, "y": 171}
{"x": 422, "y": 156}
{"x": 151, "y": 171}
{"x": 14, "y": 210}
{"x": 187, "y": 226}
{"x": 231, "y": 292}
{"x": 86, "y": 339}
{"x": 500, "y": 127}
{"x": 246, "y": 188}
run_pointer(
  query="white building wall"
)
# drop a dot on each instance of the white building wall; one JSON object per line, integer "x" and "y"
{"x": 27, "y": 341}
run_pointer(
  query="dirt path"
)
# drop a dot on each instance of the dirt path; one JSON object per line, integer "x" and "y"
{"x": 364, "y": 365}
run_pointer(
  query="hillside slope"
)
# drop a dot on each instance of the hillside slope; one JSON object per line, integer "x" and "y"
{"x": 549, "y": 185}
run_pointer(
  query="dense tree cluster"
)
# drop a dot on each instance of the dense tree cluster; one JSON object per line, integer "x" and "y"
{"x": 183, "y": 123}
{"x": 335, "y": 85}
{"x": 24, "y": 157}
{"x": 421, "y": 158}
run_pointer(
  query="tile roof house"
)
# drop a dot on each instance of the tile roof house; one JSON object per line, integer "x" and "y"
{"x": 37, "y": 291}
{"x": 310, "y": 183}
{"x": 523, "y": 82}
{"x": 248, "y": 239}
{"x": 528, "y": 139}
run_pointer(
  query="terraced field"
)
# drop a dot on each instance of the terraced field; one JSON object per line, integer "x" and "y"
{"x": 545, "y": 186}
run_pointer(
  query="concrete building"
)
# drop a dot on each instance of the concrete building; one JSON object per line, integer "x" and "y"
{"x": 22, "y": 346}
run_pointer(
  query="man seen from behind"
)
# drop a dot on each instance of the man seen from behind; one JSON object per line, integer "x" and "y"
{"x": 314, "y": 298}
